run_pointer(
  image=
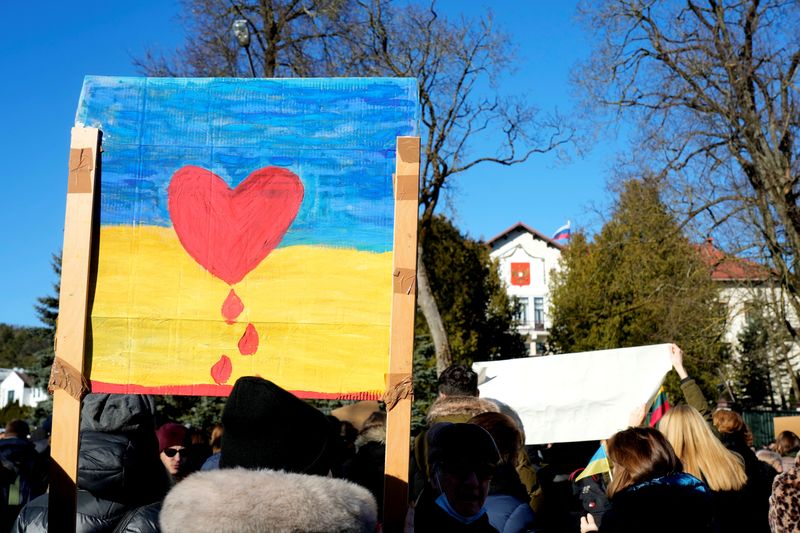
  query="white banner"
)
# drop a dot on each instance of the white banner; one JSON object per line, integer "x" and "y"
{"x": 578, "y": 396}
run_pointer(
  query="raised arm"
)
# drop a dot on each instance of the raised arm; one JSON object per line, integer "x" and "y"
{"x": 691, "y": 391}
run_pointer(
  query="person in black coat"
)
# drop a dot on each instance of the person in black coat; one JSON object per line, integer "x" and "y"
{"x": 649, "y": 490}
{"x": 119, "y": 469}
{"x": 23, "y": 472}
{"x": 733, "y": 434}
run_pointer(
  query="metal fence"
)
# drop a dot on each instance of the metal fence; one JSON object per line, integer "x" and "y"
{"x": 760, "y": 424}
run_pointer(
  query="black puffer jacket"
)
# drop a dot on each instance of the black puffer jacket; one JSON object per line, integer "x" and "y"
{"x": 118, "y": 465}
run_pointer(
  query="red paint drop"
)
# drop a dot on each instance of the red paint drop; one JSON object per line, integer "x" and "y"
{"x": 232, "y": 307}
{"x": 248, "y": 344}
{"x": 221, "y": 371}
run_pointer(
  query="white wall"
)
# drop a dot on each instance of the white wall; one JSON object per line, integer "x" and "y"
{"x": 523, "y": 247}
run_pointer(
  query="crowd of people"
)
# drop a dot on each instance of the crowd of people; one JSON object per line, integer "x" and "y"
{"x": 275, "y": 463}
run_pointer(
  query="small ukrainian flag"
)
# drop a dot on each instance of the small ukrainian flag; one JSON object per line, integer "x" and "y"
{"x": 597, "y": 464}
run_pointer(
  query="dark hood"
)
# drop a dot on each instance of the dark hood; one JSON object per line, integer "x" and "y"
{"x": 118, "y": 413}
{"x": 118, "y": 458}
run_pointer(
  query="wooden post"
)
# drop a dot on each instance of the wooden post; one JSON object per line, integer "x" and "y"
{"x": 66, "y": 379}
{"x": 399, "y": 383}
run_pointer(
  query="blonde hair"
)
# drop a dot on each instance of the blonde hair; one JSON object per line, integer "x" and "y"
{"x": 700, "y": 451}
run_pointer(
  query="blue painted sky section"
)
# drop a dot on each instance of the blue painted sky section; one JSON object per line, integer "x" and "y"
{"x": 337, "y": 134}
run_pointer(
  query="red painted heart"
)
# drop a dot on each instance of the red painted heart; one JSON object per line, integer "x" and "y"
{"x": 230, "y": 231}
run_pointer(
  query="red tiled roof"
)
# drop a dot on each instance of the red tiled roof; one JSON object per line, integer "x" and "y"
{"x": 728, "y": 268}
{"x": 524, "y": 227}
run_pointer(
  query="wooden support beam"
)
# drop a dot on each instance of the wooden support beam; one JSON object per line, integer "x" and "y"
{"x": 66, "y": 378}
{"x": 399, "y": 379}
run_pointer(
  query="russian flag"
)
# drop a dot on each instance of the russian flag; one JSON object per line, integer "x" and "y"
{"x": 562, "y": 232}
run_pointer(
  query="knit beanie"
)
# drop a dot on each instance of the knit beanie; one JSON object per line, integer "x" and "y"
{"x": 269, "y": 427}
{"x": 171, "y": 434}
{"x": 461, "y": 443}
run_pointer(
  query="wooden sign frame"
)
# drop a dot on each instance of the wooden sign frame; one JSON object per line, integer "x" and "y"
{"x": 68, "y": 380}
{"x": 401, "y": 348}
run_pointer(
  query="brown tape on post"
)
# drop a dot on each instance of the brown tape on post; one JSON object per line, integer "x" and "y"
{"x": 66, "y": 377}
{"x": 405, "y": 280}
{"x": 400, "y": 387}
{"x": 81, "y": 164}
{"x": 408, "y": 149}
{"x": 406, "y": 187}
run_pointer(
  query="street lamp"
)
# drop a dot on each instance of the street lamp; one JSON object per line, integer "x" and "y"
{"x": 242, "y": 33}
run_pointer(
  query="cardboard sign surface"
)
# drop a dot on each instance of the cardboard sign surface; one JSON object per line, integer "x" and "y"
{"x": 246, "y": 228}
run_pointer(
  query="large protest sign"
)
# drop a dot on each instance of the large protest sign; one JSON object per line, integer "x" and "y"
{"x": 246, "y": 228}
{"x": 217, "y": 228}
{"x": 576, "y": 397}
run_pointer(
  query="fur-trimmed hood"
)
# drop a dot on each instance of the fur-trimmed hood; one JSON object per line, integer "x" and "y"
{"x": 264, "y": 501}
{"x": 372, "y": 434}
{"x": 459, "y": 409}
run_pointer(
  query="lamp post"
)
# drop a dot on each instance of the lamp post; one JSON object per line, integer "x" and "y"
{"x": 242, "y": 33}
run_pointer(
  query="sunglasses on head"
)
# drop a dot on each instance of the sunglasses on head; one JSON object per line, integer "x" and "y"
{"x": 172, "y": 452}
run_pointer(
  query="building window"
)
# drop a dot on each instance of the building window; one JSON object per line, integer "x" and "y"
{"x": 538, "y": 313}
{"x": 521, "y": 310}
{"x": 10, "y": 398}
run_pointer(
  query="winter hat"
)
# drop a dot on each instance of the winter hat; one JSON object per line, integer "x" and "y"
{"x": 269, "y": 427}
{"x": 171, "y": 434}
{"x": 461, "y": 444}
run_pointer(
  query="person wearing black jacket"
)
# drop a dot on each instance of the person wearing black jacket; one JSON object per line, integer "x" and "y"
{"x": 119, "y": 471}
{"x": 23, "y": 473}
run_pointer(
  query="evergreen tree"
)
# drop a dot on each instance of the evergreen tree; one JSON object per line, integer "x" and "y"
{"x": 752, "y": 369}
{"x": 47, "y": 308}
{"x": 478, "y": 315}
{"x": 639, "y": 282}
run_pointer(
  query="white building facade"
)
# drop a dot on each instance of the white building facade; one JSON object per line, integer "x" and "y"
{"x": 526, "y": 259}
{"x": 18, "y": 387}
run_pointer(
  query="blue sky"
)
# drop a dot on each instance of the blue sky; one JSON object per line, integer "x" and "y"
{"x": 47, "y": 50}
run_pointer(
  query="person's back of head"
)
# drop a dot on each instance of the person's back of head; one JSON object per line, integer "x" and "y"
{"x": 727, "y": 421}
{"x": 216, "y": 438}
{"x": 700, "y": 451}
{"x": 458, "y": 380}
{"x": 17, "y": 428}
{"x": 267, "y": 426}
{"x": 640, "y": 454}
{"x": 787, "y": 443}
{"x": 505, "y": 433}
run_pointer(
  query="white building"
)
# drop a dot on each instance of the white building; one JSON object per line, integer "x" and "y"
{"x": 526, "y": 259}
{"x": 17, "y": 386}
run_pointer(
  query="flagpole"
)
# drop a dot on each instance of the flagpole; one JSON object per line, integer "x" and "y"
{"x": 610, "y": 465}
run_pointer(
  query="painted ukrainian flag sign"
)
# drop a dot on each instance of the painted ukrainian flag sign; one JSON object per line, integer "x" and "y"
{"x": 246, "y": 228}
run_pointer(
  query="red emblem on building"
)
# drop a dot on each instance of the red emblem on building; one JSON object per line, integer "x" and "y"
{"x": 520, "y": 273}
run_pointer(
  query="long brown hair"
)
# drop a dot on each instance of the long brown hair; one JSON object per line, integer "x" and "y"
{"x": 639, "y": 454}
{"x": 505, "y": 433}
{"x": 700, "y": 451}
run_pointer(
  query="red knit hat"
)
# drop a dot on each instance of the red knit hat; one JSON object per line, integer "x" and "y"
{"x": 171, "y": 434}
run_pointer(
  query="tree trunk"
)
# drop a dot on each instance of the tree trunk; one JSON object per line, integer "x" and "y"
{"x": 427, "y": 303}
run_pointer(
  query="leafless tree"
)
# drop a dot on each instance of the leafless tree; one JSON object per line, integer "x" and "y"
{"x": 456, "y": 63}
{"x": 288, "y": 38}
{"x": 712, "y": 86}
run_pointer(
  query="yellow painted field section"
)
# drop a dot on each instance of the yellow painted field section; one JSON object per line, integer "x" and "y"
{"x": 322, "y": 315}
